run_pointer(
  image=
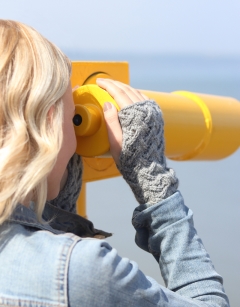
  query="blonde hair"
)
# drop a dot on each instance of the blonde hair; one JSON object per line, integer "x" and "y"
{"x": 34, "y": 75}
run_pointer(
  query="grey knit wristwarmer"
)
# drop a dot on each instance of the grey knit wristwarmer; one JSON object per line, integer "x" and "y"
{"x": 68, "y": 196}
{"x": 142, "y": 162}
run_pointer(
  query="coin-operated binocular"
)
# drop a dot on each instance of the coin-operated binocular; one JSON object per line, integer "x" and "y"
{"x": 197, "y": 126}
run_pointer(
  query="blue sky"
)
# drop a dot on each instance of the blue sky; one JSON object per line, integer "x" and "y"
{"x": 155, "y": 26}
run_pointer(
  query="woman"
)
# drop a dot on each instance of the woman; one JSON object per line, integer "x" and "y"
{"x": 48, "y": 254}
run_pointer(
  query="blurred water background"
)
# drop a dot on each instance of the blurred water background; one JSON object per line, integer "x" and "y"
{"x": 210, "y": 189}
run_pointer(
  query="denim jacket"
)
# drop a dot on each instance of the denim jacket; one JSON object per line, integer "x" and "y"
{"x": 44, "y": 266}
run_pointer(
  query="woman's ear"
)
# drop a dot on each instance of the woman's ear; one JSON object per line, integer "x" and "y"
{"x": 50, "y": 114}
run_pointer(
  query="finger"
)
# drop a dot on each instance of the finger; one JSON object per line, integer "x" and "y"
{"x": 138, "y": 96}
{"x": 118, "y": 94}
{"x": 134, "y": 94}
{"x": 114, "y": 130}
{"x": 145, "y": 97}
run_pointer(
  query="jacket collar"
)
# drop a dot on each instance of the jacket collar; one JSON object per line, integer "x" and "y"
{"x": 56, "y": 221}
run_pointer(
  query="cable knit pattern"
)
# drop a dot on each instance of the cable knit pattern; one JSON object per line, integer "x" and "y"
{"x": 68, "y": 196}
{"x": 142, "y": 161}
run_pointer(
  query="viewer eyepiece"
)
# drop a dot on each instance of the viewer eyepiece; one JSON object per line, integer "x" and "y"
{"x": 77, "y": 120}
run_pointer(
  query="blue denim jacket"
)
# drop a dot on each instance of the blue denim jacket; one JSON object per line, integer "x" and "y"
{"x": 42, "y": 266}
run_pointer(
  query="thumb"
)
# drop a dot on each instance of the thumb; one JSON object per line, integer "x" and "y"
{"x": 114, "y": 130}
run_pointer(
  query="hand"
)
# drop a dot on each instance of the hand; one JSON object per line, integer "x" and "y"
{"x": 124, "y": 95}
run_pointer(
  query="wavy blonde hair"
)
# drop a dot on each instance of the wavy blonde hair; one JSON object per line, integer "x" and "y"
{"x": 34, "y": 75}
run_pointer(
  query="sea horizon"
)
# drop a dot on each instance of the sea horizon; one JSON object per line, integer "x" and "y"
{"x": 218, "y": 75}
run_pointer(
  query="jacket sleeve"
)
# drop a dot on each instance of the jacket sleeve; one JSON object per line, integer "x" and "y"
{"x": 98, "y": 276}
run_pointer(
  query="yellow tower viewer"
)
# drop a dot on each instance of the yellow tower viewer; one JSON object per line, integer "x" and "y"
{"x": 197, "y": 126}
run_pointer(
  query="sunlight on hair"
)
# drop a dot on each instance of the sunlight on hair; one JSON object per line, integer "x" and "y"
{"x": 34, "y": 75}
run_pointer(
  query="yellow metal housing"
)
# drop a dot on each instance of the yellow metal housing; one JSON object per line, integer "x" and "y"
{"x": 92, "y": 137}
{"x": 86, "y": 73}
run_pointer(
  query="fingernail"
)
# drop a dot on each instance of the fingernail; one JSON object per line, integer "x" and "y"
{"x": 107, "y": 106}
{"x": 100, "y": 79}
